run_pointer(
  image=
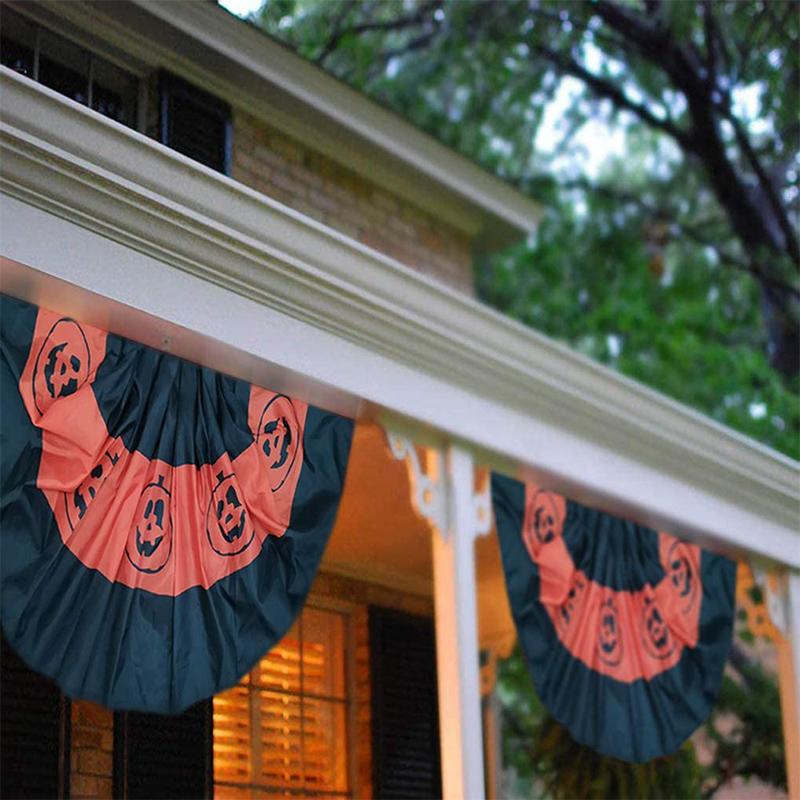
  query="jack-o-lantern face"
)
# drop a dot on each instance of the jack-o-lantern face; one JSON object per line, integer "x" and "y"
{"x": 544, "y": 520}
{"x": 278, "y": 438}
{"x": 609, "y": 641}
{"x": 78, "y": 502}
{"x": 150, "y": 542}
{"x": 570, "y": 608}
{"x": 681, "y": 575}
{"x": 655, "y": 632}
{"x": 62, "y": 365}
{"x": 228, "y": 525}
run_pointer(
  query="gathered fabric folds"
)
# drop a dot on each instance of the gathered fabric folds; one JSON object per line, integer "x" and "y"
{"x": 625, "y": 630}
{"x": 161, "y": 523}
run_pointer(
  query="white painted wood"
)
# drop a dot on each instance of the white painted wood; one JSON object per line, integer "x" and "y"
{"x": 789, "y": 682}
{"x": 240, "y": 282}
{"x": 455, "y": 603}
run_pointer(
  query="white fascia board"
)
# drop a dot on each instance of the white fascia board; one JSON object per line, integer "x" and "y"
{"x": 368, "y": 329}
{"x": 230, "y": 57}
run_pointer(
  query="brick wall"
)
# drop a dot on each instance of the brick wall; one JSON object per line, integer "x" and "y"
{"x": 362, "y": 734}
{"x": 272, "y": 163}
{"x": 92, "y": 747}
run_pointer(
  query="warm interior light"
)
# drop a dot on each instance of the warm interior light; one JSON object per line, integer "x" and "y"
{"x": 283, "y": 727}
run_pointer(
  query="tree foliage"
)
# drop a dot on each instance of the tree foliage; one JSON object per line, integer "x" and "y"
{"x": 676, "y": 262}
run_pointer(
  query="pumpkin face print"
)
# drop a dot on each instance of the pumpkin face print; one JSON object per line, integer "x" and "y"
{"x": 78, "y": 501}
{"x": 570, "y": 608}
{"x": 547, "y": 521}
{"x": 62, "y": 365}
{"x": 682, "y": 575}
{"x": 655, "y": 632}
{"x": 278, "y": 438}
{"x": 150, "y": 542}
{"x": 544, "y": 520}
{"x": 609, "y": 643}
{"x": 228, "y": 525}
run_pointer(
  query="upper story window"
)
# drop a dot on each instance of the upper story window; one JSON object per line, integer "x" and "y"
{"x": 68, "y": 68}
{"x": 283, "y": 730}
{"x": 195, "y": 123}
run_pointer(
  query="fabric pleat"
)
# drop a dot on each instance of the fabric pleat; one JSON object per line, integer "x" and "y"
{"x": 161, "y": 522}
{"x": 625, "y": 630}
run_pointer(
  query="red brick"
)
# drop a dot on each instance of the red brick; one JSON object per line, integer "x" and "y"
{"x": 286, "y": 182}
{"x": 91, "y": 714}
{"x": 266, "y": 157}
{"x": 87, "y": 786}
{"x": 386, "y": 201}
{"x": 94, "y": 762}
{"x": 305, "y": 175}
{"x": 86, "y": 737}
{"x": 280, "y": 167}
{"x": 323, "y": 201}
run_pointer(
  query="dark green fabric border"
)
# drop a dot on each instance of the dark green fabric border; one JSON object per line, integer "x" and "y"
{"x": 635, "y": 721}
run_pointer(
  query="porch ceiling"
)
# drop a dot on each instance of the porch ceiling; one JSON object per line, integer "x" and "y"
{"x": 379, "y": 537}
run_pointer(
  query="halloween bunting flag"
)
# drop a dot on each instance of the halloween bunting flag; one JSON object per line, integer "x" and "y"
{"x": 161, "y": 522}
{"x": 625, "y": 630}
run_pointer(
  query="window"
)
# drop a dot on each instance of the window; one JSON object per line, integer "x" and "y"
{"x": 34, "y": 732}
{"x": 195, "y": 123}
{"x": 163, "y": 755}
{"x": 283, "y": 730}
{"x": 68, "y": 68}
{"x": 405, "y": 706}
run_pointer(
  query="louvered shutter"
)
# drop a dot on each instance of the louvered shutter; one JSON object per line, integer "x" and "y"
{"x": 157, "y": 756}
{"x": 405, "y": 718}
{"x": 34, "y": 732}
{"x": 195, "y": 123}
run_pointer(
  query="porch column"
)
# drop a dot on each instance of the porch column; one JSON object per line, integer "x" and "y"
{"x": 789, "y": 680}
{"x": 457, "y": 633}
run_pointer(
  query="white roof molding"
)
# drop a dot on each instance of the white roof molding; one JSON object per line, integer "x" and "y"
{"x": 108, "y": 209}
{"x": 233, "y": 59}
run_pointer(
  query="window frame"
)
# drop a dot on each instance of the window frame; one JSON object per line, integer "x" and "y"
{"x": 348, "y": 612}
{"x": 93, "y": 50}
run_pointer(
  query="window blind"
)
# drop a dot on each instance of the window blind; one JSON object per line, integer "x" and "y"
{"x": 282, "y": 730}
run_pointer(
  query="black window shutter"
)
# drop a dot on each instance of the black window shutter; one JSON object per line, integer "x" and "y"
{"x": 34, "y": 732}
{"x": 157, "y": 756}
{"x": 195, "y": 123}
{"x": 405, "y": 716}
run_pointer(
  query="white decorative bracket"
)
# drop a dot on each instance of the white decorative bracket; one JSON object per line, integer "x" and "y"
{"x": 776, "y": 598}
{"x": 429, "y": 494}
{"x": 482, "y": 504}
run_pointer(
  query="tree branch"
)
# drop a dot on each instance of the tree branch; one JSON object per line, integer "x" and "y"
{"x": 697, "y": 232}
{"x": 422, "y": 15}
{"x": 607, "y": 90}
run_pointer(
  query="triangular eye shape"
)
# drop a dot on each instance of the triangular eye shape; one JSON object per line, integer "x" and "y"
{"x": 159, "y": 513}
{"x": 232, "y": 497}
{"x": 608, "y": 615}
{"x": 156, "y": 513}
